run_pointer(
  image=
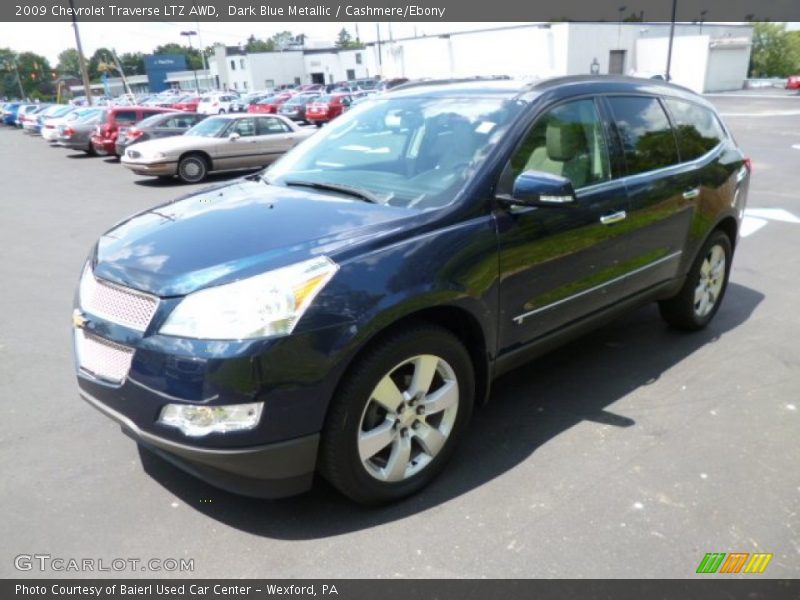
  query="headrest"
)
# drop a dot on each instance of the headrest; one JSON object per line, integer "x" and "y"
{"x": 564, "y": 141}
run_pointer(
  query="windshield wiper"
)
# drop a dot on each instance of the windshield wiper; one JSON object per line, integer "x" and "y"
{"x": 259, "y": 176}
{"x": 336, "y": 187}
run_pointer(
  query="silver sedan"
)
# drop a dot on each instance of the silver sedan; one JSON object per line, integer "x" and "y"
{"x": 221, "y": 143}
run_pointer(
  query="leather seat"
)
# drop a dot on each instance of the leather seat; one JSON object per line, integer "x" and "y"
{"x": 565, "y": 153}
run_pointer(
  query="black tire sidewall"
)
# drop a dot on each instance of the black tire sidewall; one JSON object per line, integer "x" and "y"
{"x": 340, "y": 460}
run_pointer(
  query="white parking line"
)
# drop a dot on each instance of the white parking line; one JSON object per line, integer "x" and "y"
{"x": 755, "y": 218}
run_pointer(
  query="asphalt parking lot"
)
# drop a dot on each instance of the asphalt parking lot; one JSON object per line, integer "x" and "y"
{"x": 632, "y": 452}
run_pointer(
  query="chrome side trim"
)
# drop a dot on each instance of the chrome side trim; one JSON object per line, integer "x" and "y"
{"x": 520, "y": 318}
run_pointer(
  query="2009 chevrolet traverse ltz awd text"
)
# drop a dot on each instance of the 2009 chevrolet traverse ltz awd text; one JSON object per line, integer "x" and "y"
{"x": 342, "y": 311}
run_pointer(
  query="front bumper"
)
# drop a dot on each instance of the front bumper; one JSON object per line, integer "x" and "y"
{"x": 159, "y": 168}
{"x": 269, "y": 471}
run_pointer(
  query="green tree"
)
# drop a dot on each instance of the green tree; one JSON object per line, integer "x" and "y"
{"x": 101, "y": 56}
{"x": 256, "y": 45}
{"x": 346, "y": 41}
{"x": 69, "y": 62}
{"x": 775, "y": 53}
{"x": 193, "y": 58}
{"x": 132, "y": 63}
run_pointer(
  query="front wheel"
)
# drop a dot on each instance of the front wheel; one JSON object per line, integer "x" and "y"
{"x": 192, "y": 169}
{"x": 398, "y": 415}
{"x": 701, "y": 295}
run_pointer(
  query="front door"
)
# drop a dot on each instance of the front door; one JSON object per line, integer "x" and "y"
{"x": 559, "y": 263}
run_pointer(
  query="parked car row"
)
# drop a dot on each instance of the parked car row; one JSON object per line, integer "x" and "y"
{"x": 161, "y": 141}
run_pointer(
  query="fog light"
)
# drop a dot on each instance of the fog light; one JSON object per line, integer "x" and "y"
{"x": 196, "y": 421}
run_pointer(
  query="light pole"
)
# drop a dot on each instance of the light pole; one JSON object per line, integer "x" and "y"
{"x": 621, "y": 10}
{"x": 189, "y": 35}
{"x": 702, "y": 19}
{"x": 671, "y": 37}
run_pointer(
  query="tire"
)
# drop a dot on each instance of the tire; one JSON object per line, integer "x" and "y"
{"x": 192, "y": 168}
{"x": 221, "y": 111}
{"x": 702, "y": 293}
{"x": 409, "y": 446}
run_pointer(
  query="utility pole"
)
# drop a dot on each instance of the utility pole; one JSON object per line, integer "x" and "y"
{"x": 671, "y": 37}
{"x": 81, "y": 60}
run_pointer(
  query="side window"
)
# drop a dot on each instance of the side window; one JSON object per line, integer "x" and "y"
{"x": 568, "y": 141}
{"x": 126, "y": 116}
{"x": 270, "y": 125}
{"x": 245, "y": 127}
{"x": 648, "y": 141}
{"x": 696, "y": 127}
{"x": 178, "y": 122}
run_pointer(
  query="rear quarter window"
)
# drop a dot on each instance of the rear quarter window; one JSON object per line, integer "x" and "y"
{"x": 648, "y": 142}
{"x": 697, "y": 128}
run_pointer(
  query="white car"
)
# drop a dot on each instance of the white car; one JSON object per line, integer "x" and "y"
{"x": 50, "y": 126}
{"x": 217, "y": 104}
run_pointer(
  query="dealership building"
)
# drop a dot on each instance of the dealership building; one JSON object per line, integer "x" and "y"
{"x": 706, "y": 57}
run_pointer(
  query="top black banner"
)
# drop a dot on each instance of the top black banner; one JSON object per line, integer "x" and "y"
{"x": 398, "y": 10}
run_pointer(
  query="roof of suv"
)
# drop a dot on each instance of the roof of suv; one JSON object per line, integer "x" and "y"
{"x": 516, "y": 88}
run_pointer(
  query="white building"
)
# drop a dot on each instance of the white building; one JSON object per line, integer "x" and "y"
{"x": 705, "y": 58}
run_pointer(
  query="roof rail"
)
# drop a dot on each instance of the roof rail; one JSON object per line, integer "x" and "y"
{"x": 446, "y": 80}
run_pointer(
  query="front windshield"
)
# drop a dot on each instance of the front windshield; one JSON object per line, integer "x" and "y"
{"x": 209, "y": 127}
{"x": 413, "y": 152}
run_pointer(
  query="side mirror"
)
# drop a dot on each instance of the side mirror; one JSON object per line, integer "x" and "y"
{"x": 234, "y": 136}
{"x": 534, "y": 188}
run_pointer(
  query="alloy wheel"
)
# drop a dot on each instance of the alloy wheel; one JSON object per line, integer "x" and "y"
{"x": 710, "y": 281}
{"x": 408, "y": 418}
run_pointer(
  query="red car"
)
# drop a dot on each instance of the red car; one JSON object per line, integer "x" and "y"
{"x": 187, "y": 103}
{"x": 104, "y": 139}
{"x": 793, "y": 82}
{"x": 327, "y": 108}
{"x": 270, "y": 104}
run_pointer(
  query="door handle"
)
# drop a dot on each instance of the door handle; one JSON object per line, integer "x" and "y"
{"x": 613, "y": 218}
{"x": 691, "y": 194}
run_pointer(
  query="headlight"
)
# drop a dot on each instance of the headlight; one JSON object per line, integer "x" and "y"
{"x": 266, "y": 305}
{"x": 196, "y": 421}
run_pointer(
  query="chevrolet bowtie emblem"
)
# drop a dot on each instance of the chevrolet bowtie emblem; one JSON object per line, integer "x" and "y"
{"x": 78, "y": 320}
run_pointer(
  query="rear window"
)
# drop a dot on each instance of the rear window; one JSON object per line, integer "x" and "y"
{"x": 125, "y": 116}
{"x": 696, "y": 127}
{"x": 648, "y": 142}
{"x": 152, "y": 121}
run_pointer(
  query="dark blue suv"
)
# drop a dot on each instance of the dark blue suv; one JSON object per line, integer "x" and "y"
{"x": 342, "y": 311}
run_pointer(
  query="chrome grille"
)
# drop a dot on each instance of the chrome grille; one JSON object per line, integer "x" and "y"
{"x": 102, "y": 358}
{"x": 115, "y": 303}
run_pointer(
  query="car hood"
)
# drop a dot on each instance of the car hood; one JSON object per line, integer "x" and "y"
{"x": 235, "y": 230}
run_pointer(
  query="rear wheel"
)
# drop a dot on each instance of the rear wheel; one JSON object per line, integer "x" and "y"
{"x": 192, "y": 168}
{"x": 221, "y": 111}
{"x": 699, "y": 299}
{"x": 398, "y": 415}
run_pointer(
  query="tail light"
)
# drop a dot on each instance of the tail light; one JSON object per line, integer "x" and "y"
{"x": 69, "y": 131}
{"x": 132, "y": 134}
{"x": 215, "y": 104}
{"x": 748, "y": 163}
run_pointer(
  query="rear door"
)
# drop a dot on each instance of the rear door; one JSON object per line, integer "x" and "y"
{"x": 275, "y": 138}
{"x": 662, "y": 192}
